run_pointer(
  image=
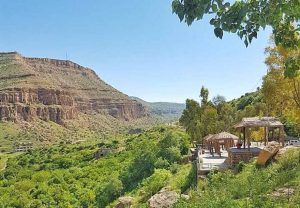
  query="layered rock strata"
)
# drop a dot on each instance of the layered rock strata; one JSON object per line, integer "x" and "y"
{"x": 57, "y": 90}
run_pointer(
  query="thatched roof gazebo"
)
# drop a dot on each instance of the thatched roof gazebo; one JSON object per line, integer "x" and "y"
{"x": 207, "y": 138}
{"x": 224, "y": 139}
{"x": 268, "y": 123}
{"x": 224, "y": 136}
{"x": 208, "y": 142}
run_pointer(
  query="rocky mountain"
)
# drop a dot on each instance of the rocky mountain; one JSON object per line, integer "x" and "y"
{"x": 166, "y": 110}
{"x": 57, "y": 90}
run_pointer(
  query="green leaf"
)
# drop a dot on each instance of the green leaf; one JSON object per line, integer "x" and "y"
{"x": 219, "y": 3}
{"x": 240, "y": 33}
{"x": 291, "y": 68}
{"x": 254, "y": 34}
{"x": 227, "y": 4}
{"x": 233, "y": 30}
{"x": 250, "y": 37}
{"x": 218, "y": 32}
{"x": 214, "y": 8}
{"x": 246, "y": 42}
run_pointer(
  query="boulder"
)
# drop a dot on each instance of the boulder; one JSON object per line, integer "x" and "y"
{"x": 163, "y": 199}
{"x": 185, "y": 197}
{"x": 124, "y": 202}
{"x": 283, "y": 192}
{"x": 267, "y": 153}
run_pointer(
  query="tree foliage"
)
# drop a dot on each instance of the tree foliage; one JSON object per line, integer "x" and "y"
{"x": 246, "y": 18}
{"x": 281, "y": 92}
{"x": 208, "y": 118}
{"x": 70, "y": 175}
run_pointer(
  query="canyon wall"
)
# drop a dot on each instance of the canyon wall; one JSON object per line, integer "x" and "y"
{"x": 57, "y": 90}
{"x": 46, "y": 104}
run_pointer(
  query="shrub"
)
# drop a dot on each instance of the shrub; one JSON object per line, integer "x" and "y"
{"x": 191, "y": 179}
{"x": 106, "y": 193}
{"x": 155, "y": 182}
{"x": 171, "y": 154}
{"x": 239, "y": 167}
{"x": 161, "y": 163}
{"x": 174, "y": 168}
{"x": 41, "y": 176}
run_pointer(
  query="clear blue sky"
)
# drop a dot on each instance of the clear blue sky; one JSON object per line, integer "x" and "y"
{"x": 137, "y": 46}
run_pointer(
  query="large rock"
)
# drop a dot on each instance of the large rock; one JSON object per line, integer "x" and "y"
{"x": 125, "y": 202}
{"x": 267, "y": 153}
{"x": 163, "y": 199}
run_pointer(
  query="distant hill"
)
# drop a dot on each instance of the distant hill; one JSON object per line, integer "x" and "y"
{"x": 166, "y": 110}
{"x": 48, "y": 101}
{"x": 57, "y": 90}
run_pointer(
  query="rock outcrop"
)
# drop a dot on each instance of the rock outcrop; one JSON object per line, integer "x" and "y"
{"x": 46, "y": 104}
{"x": 57, "y": 90}
{"x": 163, "y": 199}
{"x": 125, "y": 202}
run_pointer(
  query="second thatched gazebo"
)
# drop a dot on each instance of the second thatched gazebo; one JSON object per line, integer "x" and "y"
{"x": 216, "y": 141}
{"x": 268, "y": 123}
{"x": 224, "y": 140}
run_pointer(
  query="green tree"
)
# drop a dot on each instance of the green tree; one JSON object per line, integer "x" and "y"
{"x": 107, "y": 192}
{"x": 169, "y": 148}
{"x": 218, "y": 101}
{"x": 276, "y": 60}
{"x": 281, "y": 92}
{"x": 226, "y": 116}
{"x": 142, "y": 165}
{"x": 155, "y": 182}
{"x": 204, "y": 96}
{"x": 209, "y": 119}
{"x": 190, "y": 119}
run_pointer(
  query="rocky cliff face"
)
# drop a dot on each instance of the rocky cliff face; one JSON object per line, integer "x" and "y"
{"x": 46, "y": 104}
{"x": 57, "y": 90}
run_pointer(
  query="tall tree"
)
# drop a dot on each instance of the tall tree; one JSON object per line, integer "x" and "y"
{"x": 204, "y": 96}
{"x": 281, "y": 77}
{"x": 218, "y": 101}
{"x": 204, "y": 119}
{"x": 190, "y": 119}
{"x": 281, "y": 92}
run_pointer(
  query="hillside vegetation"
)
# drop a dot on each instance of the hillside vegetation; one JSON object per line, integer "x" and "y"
{"x": 139, "y": 166}
{"x": 71, "y": 175}
{"x": 84, "y": 128}
{"x": 167, "y": 111}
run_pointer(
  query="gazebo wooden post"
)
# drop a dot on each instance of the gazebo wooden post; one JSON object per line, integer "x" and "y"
{"x": 266, "y": 135}
{"x": 244, "y": 136}
{"x": 248, "y": 142}
{"x": 267, "y": 128}
{"x": 281, "y": 139}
